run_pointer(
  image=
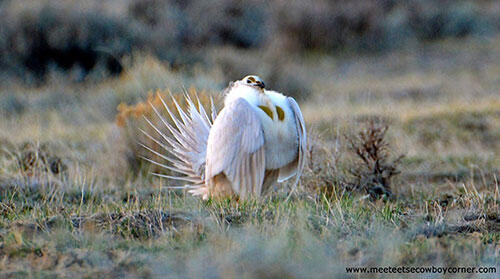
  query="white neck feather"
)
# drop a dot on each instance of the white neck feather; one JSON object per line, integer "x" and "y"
{"x": 250, "y": 94}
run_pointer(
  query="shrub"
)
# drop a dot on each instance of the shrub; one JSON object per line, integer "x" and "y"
{"x": 376, "y": 24}
{"x": 327, "y": 25}
{"x": 374, "y": 169}
{"x": 37, "y": 38}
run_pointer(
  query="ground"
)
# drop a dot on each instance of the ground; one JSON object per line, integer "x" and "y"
{"x": 75, "y": 203}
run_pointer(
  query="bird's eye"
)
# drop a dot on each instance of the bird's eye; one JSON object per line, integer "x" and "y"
{"x": 248, "y": 81}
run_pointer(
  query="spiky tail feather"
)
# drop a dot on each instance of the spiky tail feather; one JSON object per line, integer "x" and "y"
{"x": 185, "y": 142}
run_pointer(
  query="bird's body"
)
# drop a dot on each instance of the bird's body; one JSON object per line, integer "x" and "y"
{"x": 280, "y": 133}
{"x": 257, "y": 139}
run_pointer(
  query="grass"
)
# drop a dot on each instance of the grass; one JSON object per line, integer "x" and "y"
{"x": 98, "y": 214}
{"x": 152, "y": 233}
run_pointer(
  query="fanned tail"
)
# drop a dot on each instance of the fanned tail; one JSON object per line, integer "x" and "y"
{"x": 185, "y": 142}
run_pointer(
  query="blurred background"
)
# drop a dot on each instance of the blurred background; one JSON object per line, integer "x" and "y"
{"x": 92, "y": 40}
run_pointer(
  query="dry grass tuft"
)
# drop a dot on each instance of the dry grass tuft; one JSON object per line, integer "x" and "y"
{"x": 374, "y": 168}
{"x": 35, "y": 157}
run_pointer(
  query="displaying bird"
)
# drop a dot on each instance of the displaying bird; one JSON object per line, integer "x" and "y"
{"x": 258, "y": 138}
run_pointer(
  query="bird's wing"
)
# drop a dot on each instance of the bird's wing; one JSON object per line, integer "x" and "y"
{"x": 236, "y": 148}
{"x": 185, "y": 142}
{"x": 296, "y": 167}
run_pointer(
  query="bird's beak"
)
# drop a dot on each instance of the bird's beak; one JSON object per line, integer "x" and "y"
{"x": 261, "y": 84}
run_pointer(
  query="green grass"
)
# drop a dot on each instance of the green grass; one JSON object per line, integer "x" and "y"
{"x": 152, "y": 232}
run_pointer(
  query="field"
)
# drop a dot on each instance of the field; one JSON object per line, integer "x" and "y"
{"x": 73, "y": 203}
{"x": 76, "y": 202}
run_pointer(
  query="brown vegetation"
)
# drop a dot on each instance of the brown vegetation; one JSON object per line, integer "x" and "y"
{"x": 373, "y": 171}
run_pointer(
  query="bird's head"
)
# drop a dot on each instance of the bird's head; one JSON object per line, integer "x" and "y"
{"x": 254, "y": 81}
